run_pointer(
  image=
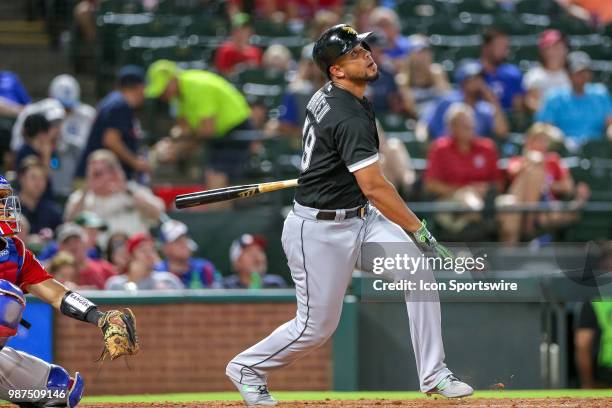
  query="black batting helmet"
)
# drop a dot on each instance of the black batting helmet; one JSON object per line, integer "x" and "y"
{"x": 335, "y": 42}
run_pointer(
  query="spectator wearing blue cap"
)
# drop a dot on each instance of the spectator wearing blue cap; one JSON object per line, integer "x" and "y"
{"x": 490, "y": 119}
{"x": 504, "y": 79}
{"x": 73, "y": 120}
{"x": 583, "y": 111}
{"x": 116, "y": 127}
{"x": 178, "y": 248}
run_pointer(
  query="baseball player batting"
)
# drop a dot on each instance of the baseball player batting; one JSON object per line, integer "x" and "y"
{"x": 24, "y": 379}
{"x": 342, "y": 202}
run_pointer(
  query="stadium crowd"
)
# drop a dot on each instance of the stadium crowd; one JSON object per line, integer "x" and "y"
{"x": 490, "y": 131}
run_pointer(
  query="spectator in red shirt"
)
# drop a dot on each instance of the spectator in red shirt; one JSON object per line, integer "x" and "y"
{"x": 92, "y": 273}
{"x": 462, "y": 167}
{"x": 237, "y": 51}
{"x": 538, "y": 175}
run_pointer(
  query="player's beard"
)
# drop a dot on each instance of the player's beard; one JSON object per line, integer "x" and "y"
{"x": 373, "y": 77}
{"x": 365, "y": 77}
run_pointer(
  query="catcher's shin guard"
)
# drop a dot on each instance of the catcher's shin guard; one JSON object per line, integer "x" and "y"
{"x": 69, "y": 388}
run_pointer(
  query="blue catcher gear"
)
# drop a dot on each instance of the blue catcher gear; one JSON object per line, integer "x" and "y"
{"x": 66, "y": 391}
{"x": 70, "y": 387}
{"x": 10, "y": 210}
{"x": 12, "y": 305}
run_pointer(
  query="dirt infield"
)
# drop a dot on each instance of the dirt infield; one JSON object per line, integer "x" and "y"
{"x": 380, "y": 403}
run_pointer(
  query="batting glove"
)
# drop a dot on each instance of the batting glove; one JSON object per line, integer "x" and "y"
{"x": 426, "y": 239}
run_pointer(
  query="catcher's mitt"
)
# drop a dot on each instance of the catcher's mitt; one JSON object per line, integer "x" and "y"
{"x": 119, "y": 331}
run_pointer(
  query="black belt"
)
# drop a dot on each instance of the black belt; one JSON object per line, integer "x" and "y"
{"x": 327, "y": 215}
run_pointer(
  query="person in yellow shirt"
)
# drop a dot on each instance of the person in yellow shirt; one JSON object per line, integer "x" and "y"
{"x": 208, "y": 105}
{"x": 209, "y": 108}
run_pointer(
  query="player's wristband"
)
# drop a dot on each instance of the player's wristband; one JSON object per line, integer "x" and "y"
{"x": 79, "y": 307}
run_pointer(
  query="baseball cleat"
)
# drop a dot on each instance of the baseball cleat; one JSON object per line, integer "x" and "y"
{"x": 452, "y": 387}
{"x": 255, "y": 394}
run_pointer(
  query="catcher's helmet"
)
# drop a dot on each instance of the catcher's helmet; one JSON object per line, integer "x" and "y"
{"x": 335, "y": 42}
{"x": 10, "y": 210}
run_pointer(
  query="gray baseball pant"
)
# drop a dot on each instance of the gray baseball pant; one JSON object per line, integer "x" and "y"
{"x": 322, "y": 256}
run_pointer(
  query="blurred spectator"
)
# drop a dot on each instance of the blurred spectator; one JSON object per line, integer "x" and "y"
{"x": 13, "y": 95}
{"x": 305, "y": 10}
{"x": 593, "y": 347}
{"x": 76, "y": 121}
{"x": 41, "y": 212}
{"x": 462, "y": 167}
{"x": 504, "y": 79}
{"x": 323, "y": 19}
{"x": 116, "y": 251}
{"x": 94, "y": 226}
{"x": 140, "y": 274}
{"x": 91, "y": 272}
{"x": 584, "y": 111}
{"x": 63, "y": 268}
{"x": 361, "y": 16}
{"x": 384, "y": 92}
{"x": 116, "y": 127}
{"x": 421, "y": 81}
{"x": 277, "y": 58}
{"x": 538, "y": 175}
{"x": 178, "y": 249}
{"x": 237, "y": 52}
{"x": 39, "y": 140}
{"x": 250, "y": 265}
{"x": 490, "y": 119}
{"x": 299, "y": 91}
{"x": 395, "y": 163}
{"x": 386, "y": 21}
{"x": 126, "y": 206}
{"x": 593, "y": 11}
{"x": 259, "y": 114}
{"x": 551, "y": 73}
{"x": 84, "y": 16}
{"x": 222, "y": 112}
{"x": 271, "y": 10}
{"x": 53, "y": 111}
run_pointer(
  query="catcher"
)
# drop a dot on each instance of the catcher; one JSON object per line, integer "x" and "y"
{"x": 24, "y": 379}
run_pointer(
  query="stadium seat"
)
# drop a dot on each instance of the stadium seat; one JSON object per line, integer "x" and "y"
{"x": 159, "y": 26}
{"x": 215, "y": 231}
{"x": 134, "y": 50}
{"x": 444, "y": 26}
{"x": 120, "y": 6}
{"x": 204, "y": 26}
{"x": 270, "y": 29}
{"x": 570, "y": 25}
{"x": 543, "y": 7}
{"x": 477, "y": 6}
{"x": 261, "y": 85}
{"x": 596, "y": 168}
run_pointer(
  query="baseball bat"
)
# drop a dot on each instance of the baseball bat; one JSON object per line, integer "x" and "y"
{"x": 230, "y": 193}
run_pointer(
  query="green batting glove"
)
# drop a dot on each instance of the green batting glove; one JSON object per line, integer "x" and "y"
{"x": 425, "y": 238}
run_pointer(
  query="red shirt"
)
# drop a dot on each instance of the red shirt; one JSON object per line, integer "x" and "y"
{"x": 95, "y": 273}
{"x": 555, "y": 169}
{"x": 228, "y": 56}
{"x": 447, "y": 164}
{"x": 18, "y": 265}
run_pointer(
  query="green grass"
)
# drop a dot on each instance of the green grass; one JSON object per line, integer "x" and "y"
{"x": 336, "y": 395}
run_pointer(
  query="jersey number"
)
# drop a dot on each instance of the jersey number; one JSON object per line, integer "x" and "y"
{"x": 309, "y": 142}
